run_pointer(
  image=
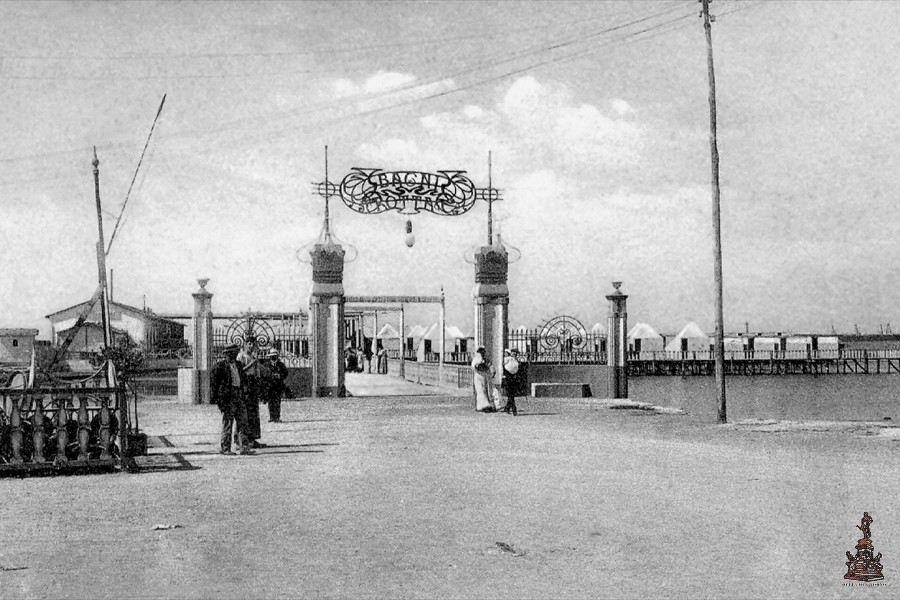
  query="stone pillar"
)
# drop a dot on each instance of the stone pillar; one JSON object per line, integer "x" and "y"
{"x": 491, "y": 297}
{"x": 326, "y": 312}
{"x": 202, "y": 339}
{"x": 617, "y": 344}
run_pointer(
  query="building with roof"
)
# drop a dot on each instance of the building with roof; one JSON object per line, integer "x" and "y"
{"x": 143, "y": 327}
{"x": 16, "y": 346}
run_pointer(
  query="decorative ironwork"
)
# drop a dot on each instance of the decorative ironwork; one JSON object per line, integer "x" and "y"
{"x": 447, "y": 193}
{"x": 250, "y": 328}
{"x": 564, "y": 334}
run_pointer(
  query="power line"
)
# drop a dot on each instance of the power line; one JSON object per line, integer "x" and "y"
{"x": 485, "y": 63}
{"x": 363, "y": 49}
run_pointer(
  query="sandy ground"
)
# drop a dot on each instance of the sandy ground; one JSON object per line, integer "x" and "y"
{"x": 420, "y": 497}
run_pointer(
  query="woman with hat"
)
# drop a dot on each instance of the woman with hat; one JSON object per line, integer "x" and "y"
{"x": 481, "y": 378}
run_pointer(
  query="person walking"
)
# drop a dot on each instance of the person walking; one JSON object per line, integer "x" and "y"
{"x": 227, "y": 391}
{"x": 511, "y": 380}
{"x": 382, "y": 360}
{"x": 275, "y": 384}
{"x": 482, "y": 378}
{"x": 368, "y": 353}
{"x": 254, "y": 374}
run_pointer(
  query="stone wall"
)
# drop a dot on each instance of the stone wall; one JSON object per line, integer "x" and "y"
{"x": 593, "y": 375}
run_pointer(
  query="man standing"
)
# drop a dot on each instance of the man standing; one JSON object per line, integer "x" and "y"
{"x": 227, "y": 391}
{"x": 254, "y": 376}
{"x": 275, "y": 384}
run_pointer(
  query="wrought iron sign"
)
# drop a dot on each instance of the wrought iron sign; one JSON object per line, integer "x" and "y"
{"x": 447, "y": 193}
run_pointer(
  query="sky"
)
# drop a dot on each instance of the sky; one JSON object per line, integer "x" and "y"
{"x": 596, "y": 115}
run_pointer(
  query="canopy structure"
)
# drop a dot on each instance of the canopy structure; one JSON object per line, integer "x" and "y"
{"x": 598, "y": 329}
{"x": 388, "y": 332}
{"x": 451, "y": 332}
{"x": 643, "y": 338}
{"x": 690, "y": 339}
{"x": 416, "y": 332}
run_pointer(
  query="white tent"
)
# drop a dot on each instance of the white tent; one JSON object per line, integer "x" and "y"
{"x": 690, "y": 339}
{"x": 451, "y": 332}
{"x": 388, "y": 332}
{"x": 416, "y": 332}
{"x": 598, "y": 329}
{"x": 643, "y": 338}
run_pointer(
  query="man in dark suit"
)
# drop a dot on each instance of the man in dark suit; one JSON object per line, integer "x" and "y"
{"x": 227, "y": 391}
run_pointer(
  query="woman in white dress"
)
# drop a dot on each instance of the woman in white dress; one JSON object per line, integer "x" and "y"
{"x": 481, "y": 378}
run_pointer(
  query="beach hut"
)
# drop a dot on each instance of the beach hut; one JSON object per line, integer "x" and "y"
{"x": 455, "y": 339}
{"x": 798, "y": 343}
{"x": 643, "y": 338}
{"x": 690, "y": 339}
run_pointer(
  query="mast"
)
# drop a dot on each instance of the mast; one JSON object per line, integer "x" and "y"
{"x": 101, "y": 267}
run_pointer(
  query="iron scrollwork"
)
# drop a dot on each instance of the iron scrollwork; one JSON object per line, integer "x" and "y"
{"x": 250, "y": 329}
{"x": 373, "y": 191}
{"x": 563, "y": 334}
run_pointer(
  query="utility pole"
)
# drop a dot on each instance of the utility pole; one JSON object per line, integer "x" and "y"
{"x": 717, "y": 223}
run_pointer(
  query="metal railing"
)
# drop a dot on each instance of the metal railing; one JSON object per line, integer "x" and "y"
{"x": 758, "y": 355}
{"x": 57, "y": 428}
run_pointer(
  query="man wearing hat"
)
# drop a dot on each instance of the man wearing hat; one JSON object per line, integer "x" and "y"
{"x": 511, "y": 379}
{"x": 227, "y": 391}
{"x": 275, "y": 385}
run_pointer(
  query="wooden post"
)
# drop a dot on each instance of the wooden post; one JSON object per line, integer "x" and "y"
{"x": 717, "y": 226}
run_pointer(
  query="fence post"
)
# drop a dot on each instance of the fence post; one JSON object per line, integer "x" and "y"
{"x": 202, "y": 338}
{"x": 617, "y": 360}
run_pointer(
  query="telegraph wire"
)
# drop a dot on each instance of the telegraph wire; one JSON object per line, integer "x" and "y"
{"x": 413, "y": 87}
{"x": 486, "y": 63}
{"x": 329, "y": 51}
{"x": 431, "y": 82}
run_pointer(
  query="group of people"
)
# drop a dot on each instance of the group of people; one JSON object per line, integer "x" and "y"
{"x": 512, "y": 382}
{"x": 238, "y": 383}
{"x": 359, "y": 360}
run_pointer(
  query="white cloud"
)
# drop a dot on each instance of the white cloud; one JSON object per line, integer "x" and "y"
{"x": 386, "y": 80}
{"x": 345, "y": 87}
{"x": 473, "y": 112}
{"x": 621, "y": 107}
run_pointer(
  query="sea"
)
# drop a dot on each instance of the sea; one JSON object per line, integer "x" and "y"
{"x": 845, "y": 397}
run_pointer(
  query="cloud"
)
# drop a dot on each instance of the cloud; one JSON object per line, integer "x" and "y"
{"x": 386, "y": 80}
{"x": 386, "y": 89}
{"x": 620, "y": 107}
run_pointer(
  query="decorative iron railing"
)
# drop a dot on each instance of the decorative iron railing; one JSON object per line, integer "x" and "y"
{"x": 561, "y": 343}
{"x": 59, "y": 428}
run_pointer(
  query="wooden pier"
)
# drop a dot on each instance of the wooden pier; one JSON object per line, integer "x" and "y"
{"x": 884, "y": 362}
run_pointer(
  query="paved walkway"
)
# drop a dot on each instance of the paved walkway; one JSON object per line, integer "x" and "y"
{"x": 421, "y": 497}
{"x": 372, "y": 384}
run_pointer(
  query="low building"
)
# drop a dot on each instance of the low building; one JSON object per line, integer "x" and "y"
{"x": 146, "y": 329}
{"x": 16, "y": 346}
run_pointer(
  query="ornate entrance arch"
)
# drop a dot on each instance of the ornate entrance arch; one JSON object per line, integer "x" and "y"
{"x": 373, "y": 191}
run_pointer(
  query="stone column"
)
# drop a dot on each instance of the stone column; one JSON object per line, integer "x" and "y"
{"x": 202, "y": 339}
{"x": 491, "y": 297}
{"x": 617, "y": 344}
{"x": 326, "y": 312}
